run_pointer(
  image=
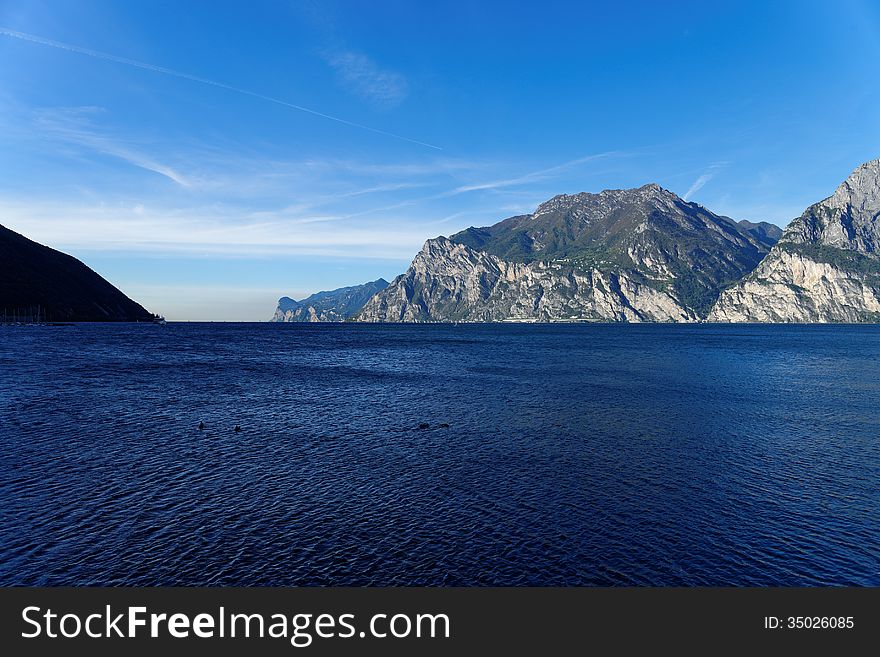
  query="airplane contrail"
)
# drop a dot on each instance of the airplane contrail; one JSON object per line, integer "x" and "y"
{"x": 195, "y": 78}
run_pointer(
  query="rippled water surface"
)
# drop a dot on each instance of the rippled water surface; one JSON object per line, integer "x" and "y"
{"x": 574, "y": 455}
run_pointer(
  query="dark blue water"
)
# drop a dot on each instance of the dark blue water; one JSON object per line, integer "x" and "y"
{"x": 575, "y": 455}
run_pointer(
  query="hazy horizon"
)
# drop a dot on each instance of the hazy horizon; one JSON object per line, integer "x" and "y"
{"x": 208, "y": 161}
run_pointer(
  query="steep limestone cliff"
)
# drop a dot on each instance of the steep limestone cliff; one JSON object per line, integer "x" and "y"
{"x": 452, "y": 282}
{"x": 825, "y": 267}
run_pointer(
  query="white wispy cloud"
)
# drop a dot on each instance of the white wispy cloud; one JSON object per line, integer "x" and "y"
{"x": 230, "y": 202}
{"x": 201, "y": 168}
{"x": 698, "y": 184}
{"x": 704, "y": 178}
{"x": 208, "y": 230}
{"x": 541, "y": 175}
{"x": 424, "y": 167}
{"x": 73, "y": 125}
{"x": 380, "y": 189}
{"x": 363, "y": 77}
{"x": 379, "y": 83}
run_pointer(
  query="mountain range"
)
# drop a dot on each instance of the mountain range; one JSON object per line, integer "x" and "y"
{"x": 332, "y": 306}
{"x": 640, "y": 254}
{"x": 646, "y": 254}
{"x": 629, "y": 255}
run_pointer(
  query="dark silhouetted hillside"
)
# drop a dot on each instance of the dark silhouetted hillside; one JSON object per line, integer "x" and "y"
{"x": 33, "y": 275}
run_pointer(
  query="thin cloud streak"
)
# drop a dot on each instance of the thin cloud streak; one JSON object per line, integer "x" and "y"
{"x": 324, "y": 220}
{"x": 68, "y": 126}
{"x": 194, "y": 78}
{"x": 704, "y": 178}
{"x": 199, "y": 168}
{"x": 206, "y": 231}
{"x": 534, "y": 176}
{"x": 699, "y": 183}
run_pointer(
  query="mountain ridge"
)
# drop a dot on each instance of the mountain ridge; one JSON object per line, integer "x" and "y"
{"x": 645, "y": 254}
{"x": 641, "y": 254}
{"x": 328, "y": 306}
{"x": 765, "y": 232}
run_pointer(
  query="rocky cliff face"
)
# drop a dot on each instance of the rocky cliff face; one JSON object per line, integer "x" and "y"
{"x": 452, "y": 282}
{"x": 621, "y": 255}
{"x": 333, "y": 306}
{"x": 825, "y": 267}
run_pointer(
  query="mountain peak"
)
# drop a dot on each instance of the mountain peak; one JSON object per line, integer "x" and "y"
{"x": 649, "y": 192}
{"x": 848, "y": 219}
{"x": 861, "y": 190}
{"x": 653, "y": 191}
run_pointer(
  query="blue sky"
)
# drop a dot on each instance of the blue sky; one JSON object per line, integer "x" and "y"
{"x": 209, "y": 157}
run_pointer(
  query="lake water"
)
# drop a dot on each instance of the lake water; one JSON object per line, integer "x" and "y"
{"x": 574, "y": 455}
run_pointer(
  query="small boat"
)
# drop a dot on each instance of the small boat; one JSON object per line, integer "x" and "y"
{"x": 158, "y": 319}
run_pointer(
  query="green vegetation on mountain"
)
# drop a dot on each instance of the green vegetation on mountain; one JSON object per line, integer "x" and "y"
{"x": 656, "y": 237}
{"x": 331, "y": 306}
{"x": 851, "y": 261}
